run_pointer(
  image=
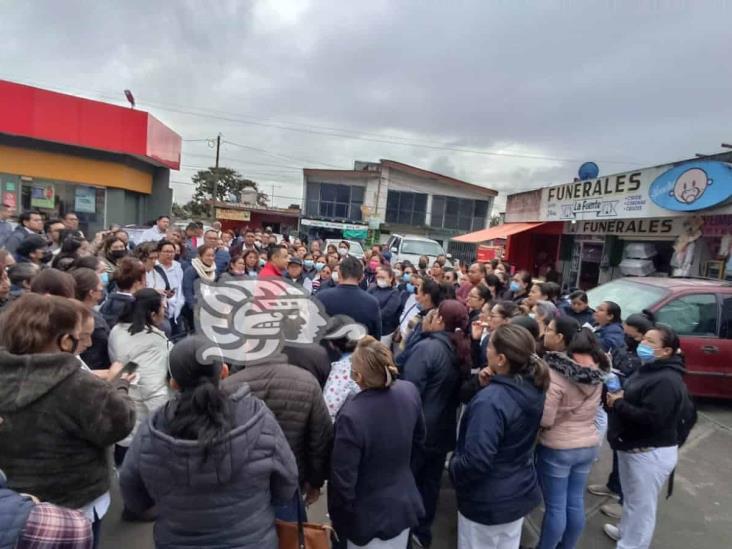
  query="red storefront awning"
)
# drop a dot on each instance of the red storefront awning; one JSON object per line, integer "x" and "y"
{"x": 499, "y": 231}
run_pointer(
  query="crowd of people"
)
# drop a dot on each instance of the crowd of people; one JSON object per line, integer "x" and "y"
{"x": 476, "y": 370}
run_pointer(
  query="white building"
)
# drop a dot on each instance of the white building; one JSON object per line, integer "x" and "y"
{"x": 394, "y": 197}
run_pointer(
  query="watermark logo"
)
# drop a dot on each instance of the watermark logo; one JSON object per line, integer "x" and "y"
{"x": 247, "y": 321}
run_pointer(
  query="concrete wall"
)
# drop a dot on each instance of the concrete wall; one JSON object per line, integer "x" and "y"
{"x": 160, "y": 201}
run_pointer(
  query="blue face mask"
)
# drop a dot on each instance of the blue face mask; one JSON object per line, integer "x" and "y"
{"x": 514, "y": 286}
{"x": 406, "y": 277}
{"x": 646, "y": 353}
{"x": 319, "y": 266}
{"x": 410, "y": 288}
{"x": 104, "y": 277}
{"x": 308, "y": 263}
{"x": 262, "y": 262}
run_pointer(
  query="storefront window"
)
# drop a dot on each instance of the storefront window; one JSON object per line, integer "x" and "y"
{"x": 55, "y": 198}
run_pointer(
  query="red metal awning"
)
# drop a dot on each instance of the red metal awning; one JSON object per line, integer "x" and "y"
{"x": 499, "y": 231}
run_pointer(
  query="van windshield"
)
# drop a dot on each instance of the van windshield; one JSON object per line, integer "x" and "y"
{"x": 422, "y": 247}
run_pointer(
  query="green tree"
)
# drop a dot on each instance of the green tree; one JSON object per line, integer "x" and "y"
{"x": 229, "y": 188}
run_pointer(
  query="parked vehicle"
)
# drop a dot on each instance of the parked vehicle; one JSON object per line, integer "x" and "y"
{"x": 411, "y": 248}
{"x": 356, "y": 250}
{"x": 699, "y": 310}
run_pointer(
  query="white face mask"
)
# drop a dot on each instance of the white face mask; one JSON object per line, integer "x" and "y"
{"x": 382, "y": 283}
{"x": 342, "y": 251}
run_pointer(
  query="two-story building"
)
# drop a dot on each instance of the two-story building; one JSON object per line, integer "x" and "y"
{"x": 394, "y": 198}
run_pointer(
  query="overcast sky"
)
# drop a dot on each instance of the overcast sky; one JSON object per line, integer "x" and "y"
{"x": 321, "y": 83}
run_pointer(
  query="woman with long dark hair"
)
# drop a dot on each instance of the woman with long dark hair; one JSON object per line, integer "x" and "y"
{"x": 492, "y": 467}
{"x": 90, "y": 291}
{"x": 372, "y": 494}
{"x": 568, "y": 442}
{"x": 439, "y": 362}
{"x": 207, "y": 450}
{"x": 138, "y": 337}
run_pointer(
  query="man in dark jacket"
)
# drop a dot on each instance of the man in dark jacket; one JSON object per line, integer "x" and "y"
{"x": 295, "y": 398}
{"x": 28, "y": 223}
{"x": 348, "y": 299}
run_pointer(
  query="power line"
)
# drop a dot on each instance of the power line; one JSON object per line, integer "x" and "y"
{"x": 226, "y": 159}
{"x": 286, "y": 157}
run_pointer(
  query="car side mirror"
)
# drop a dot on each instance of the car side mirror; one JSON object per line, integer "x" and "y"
{"x": 394, "y": 249}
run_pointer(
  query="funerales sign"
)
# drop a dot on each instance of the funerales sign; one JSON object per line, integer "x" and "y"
{"x": 652, "y": 192}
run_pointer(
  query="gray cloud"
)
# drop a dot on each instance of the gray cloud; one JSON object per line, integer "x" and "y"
{"x": 625, "y": 84}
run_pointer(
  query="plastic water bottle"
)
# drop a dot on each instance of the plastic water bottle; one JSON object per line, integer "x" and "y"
{"x": 612, "y": 382}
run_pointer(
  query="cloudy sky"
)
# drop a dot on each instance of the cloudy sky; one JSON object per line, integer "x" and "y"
{"x": 509, "y": 94}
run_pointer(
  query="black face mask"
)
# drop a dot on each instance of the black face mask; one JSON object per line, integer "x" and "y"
{"x": 631, "y": 343}
{"x": 47, "y": 256}
{"x": 117, "y": 254}
{"x": 74, "y": 346}
{"x": 177, "y": 257}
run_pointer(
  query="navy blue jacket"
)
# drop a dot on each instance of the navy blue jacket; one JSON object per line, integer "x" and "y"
{"x": 189, "y": 287}
{"x": 349, "y": 299}
{"x": 433, "y": 368}
{"x": 585, "y": 317}
{"x": 14, "y": 511}
{"x": 390, "y": 303}
{"x": 493, "y": 465}
{"x": 372, "y": 492}
{"x": 97, "y": 356}
{"x": 611, "y": 337}
{"x": 113, "y": 307}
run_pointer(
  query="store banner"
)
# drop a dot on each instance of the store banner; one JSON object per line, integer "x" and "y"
{"x": 671, "y": 227}
{"x": 233, "y": 215}
{"x": 43, "y": 195}
{"x": 648, "y": 193}
{"x": 85, "y": 200}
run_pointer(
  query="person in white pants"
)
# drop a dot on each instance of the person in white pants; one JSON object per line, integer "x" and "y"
{"x": 499, "y": 536}
{"x": 644, "y": 474}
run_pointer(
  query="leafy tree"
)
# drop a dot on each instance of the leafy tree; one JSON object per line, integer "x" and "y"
{"x": 190, "y": 210}
{"x": 496, "y": 220}
{"x": 230, "y": 186}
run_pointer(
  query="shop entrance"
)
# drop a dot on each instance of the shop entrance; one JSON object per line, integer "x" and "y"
{"x": 585, "y": 270}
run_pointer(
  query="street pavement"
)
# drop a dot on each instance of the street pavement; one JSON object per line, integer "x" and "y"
{"x": 698, "y": 515}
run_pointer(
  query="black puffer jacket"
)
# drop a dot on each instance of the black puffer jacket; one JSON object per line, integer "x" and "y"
{"x": 222, "y": 500}
{"x": 295, "y": 398}
{"x": 57, "y": 424}
{"x": 648, "y": 413}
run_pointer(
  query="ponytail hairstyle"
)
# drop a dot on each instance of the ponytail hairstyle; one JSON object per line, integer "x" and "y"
{"x": 375, "y": 363}
{"x": 519, "y": 347}
{"x": 585, "y": 342}
{"x": 139, "y": 313}
{"x": 455, "y": 317}
{"x": 201, "y": 411}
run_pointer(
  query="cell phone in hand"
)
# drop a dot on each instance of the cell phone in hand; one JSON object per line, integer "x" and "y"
{"x": 129, "y": 368}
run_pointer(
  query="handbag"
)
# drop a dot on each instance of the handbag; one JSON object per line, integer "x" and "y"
{"x": 302, "y": 535}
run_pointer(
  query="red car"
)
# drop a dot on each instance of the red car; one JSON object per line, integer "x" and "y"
{"x": 700, "y": 310}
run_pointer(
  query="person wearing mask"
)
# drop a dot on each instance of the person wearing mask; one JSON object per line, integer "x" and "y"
{"x": 203, "y": 268}
{"x": 476, "y": 276}
{"x": 277, "y": 259}
{"x": 89, "y": 292}
{"x": 578, "y": 308}
{"x": 175, "y": 460}
{"x": 609, "y": 326}
{"x": 440, "y": 361}
{"x": 308, "y": 266}
{"x": 422, "y": 264}
{"x": 157, "y": 232}
{"x": 296, "y": 275}
{"x": 410, "y": 309}
{"x": 344, "y": 249}
{"x": 340, "y": 340}
{"x": 478, "y": 296}
{"x": 29, "y": 223}
{"x": 113, "y": 250}
{"x": 128, "y": 279}
{"x": 643, "y": 429}
{"x": 518, "y": 289}
{"x": 55, "y": 411}
{"x": 568, "y": 441}
{"x": 349, "y": 299}
{"x": 138, "y": 337}
{"x": 373, "y": 498}
{"x": 33, "y": 249}
{"x": 390, "y": 302}
{"x": 369, "y": 273}
{"x": 295, "y": 398}
{"x": 492, "y": 467}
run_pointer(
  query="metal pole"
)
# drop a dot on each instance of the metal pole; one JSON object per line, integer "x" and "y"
{"x": 216, "y": 178}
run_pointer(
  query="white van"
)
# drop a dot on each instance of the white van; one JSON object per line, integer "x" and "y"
{"x": 411, "y": 248}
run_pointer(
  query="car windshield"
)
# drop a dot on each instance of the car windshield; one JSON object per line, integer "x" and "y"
{"x": 422, "y": 247}
{"x": 631, "y": 296}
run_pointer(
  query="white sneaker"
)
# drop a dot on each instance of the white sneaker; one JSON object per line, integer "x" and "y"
{"x": 612, "y": 510}
{"x": 612, "y": 532}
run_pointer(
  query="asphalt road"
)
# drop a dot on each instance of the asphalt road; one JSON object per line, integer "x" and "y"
{"x": 698, "y": 516}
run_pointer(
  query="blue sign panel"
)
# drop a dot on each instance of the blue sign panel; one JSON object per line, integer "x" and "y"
{"x": 693, "y": 186}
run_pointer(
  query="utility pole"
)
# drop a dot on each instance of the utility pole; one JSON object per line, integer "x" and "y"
{"x": 216, "y": 178}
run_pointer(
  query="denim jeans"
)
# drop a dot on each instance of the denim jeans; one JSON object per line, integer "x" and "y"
{"x": 563, "y": 476}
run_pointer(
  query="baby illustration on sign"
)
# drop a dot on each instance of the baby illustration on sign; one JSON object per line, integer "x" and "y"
{"x": 690, "y": 186}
